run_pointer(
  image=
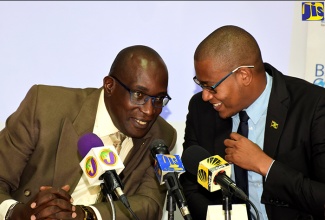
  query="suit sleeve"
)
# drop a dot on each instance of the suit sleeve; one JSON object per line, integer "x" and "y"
{"x": 301, "y": 189}
{"x": 16, "y": 144}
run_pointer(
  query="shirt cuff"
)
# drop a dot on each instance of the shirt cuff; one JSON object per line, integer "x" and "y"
{"x": 4, "y": 206}
{"x": 98, "y": 216}
{"x": 269, "y": 170}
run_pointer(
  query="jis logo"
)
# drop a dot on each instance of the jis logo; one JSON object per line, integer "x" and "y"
{"x": 312, "y": 11}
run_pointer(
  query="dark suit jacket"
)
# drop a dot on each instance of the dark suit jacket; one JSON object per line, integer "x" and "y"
{"x": 295, "y": 186}
{"x": 38, "y": 147}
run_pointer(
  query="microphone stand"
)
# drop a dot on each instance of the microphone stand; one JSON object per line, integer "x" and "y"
{"x": 170, "y": 206}
{"x": 175, "y": 189}
{"x": 226, "y": 203}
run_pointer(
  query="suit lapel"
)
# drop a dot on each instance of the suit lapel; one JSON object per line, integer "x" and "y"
{"x": 67, "y": 169}
{"x": 85, "y": 120}
{"x": 277, "y": 112}
{"x": 139, "y": 149}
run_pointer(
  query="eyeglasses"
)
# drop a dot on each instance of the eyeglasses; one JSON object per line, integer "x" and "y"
{"x": 140, "y": 98}
{"x": 212, "y": 88}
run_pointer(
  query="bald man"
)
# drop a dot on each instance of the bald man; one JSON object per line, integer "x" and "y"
{"x": 40, "y": 176}
{"x": 283, "y": 155}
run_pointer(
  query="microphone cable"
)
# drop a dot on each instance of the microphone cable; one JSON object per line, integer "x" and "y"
{"x": 255, "y": 209}
{"x": 110, "y": 199}
{"x": 109, "y": 187}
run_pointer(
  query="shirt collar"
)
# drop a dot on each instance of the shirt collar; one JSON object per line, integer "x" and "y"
{"x": 259, "y": 106}
{"x": 103, "y": 123}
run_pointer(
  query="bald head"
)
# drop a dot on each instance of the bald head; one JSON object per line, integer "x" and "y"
{"x": 137, "y": 56}
{"x": 137, "y": 79}
{"x": 231, "y": 46}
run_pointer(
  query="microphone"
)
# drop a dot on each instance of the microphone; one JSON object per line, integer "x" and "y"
{"x": 168, "y": 168}
{"x": 100, "y": 164}
{"x": 212, "y": 171}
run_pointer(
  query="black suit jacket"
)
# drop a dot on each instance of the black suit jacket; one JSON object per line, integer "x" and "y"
{"x": 295, "y": 186}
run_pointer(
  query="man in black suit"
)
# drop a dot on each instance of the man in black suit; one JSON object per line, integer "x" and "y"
{"x": 284, "y": 154}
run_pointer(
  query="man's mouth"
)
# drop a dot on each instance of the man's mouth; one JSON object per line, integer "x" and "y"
{"x": 141, "y": 122}
{"x": 217, "y": 106}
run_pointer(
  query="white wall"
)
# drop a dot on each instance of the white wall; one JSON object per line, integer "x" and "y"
{"x": 74, "y": 43}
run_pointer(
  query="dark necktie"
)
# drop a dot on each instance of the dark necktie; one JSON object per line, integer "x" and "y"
{"x": 240, "y": 173}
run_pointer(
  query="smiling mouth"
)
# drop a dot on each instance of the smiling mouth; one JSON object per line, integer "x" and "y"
{"x": 141, "y": 122}
{"x": 216, "y": 106}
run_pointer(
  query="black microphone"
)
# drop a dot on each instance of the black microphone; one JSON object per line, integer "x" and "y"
{"x": 158, "y": 151}
{"x": 211, "y": 171}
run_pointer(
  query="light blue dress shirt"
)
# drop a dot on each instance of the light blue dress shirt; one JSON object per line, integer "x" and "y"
{"x": 256, "y": 129}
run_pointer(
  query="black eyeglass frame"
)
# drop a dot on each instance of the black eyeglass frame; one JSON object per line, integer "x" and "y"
{"x": 212, "y": 88}
{"x": 146, "y": 97}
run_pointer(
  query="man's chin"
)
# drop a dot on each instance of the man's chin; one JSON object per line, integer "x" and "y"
{"x": 138, "y": 133}
{"x": 224, "y": 115}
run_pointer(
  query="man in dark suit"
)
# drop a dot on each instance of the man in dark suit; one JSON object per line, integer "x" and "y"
{"x": 284, "y": 154}
{"x": 39, "y": 159}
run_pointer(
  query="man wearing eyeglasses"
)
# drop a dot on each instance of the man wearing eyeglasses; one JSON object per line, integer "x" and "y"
{"x": 40, "y": 176}
{"x": 284, "y": 152}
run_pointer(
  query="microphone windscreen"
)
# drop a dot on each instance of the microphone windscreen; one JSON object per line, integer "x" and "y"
{"x": 88, "y": 141}
{"x": 192, "y": 156}
{"x": 158, "y": 146}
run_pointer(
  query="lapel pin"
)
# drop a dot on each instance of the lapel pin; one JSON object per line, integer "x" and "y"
{"x": 274, "y": 124}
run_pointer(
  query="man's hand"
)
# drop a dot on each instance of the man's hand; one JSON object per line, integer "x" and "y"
{"x": 246, "y": 154}
{"x": 48, "y": 203}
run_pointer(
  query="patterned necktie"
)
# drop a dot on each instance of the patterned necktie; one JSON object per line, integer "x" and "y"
{"x": 240, "y": 173}
{"x": 117, "y": 139}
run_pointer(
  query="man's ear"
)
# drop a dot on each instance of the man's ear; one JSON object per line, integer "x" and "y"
{"x": 108, "y": 84}
{"x": 246, "y": 75}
